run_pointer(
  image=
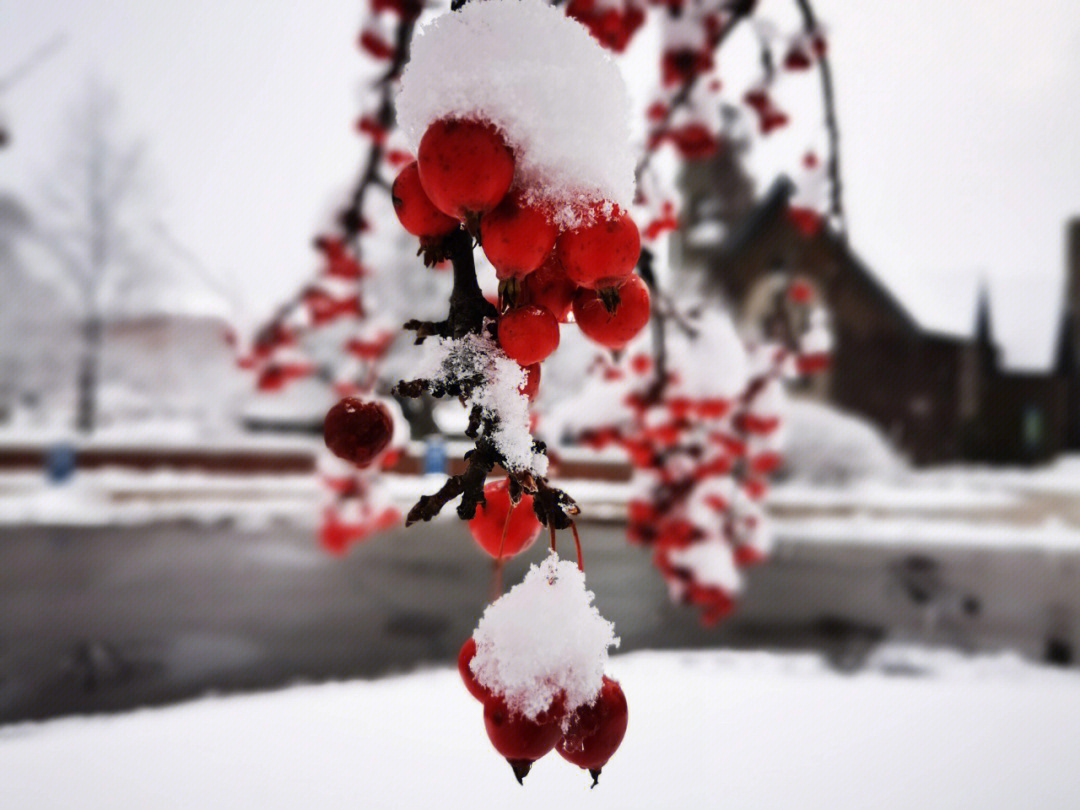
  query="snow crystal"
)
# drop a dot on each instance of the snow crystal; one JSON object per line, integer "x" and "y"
{"x": 549, "y": 87}
{"x": 544, "y": 638}
{"x": 498, "y": 395}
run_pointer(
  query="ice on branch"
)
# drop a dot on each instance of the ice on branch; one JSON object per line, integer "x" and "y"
{"x": 495, "y": 388}
{"x": 558, "y": 98}
{"x": 542, "y": 639}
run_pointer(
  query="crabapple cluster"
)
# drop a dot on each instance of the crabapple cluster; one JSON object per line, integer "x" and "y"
{"x": 464, "y": 173}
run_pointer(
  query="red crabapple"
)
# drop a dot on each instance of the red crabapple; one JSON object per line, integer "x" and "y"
{"x": 596, "y": 730}
{"x": 417, "y": 214}
{"x": 465, "y": 166}
{"x": 357, "y": 431}
{"x": 600, "y": 254}
{"x": 549, "y": 288}
{"x": 532, "y": 381}
{"x": 528, "y": 333}
{"x": 521, "y": 740}
{"x": 516, "y": 237}
{"x": 499, "y": 525}
{"x": 465, "y": 657}
{"x": 613, "y": 329}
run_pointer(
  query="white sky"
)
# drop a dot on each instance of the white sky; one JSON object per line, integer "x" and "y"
{"x": 960, "y": 126}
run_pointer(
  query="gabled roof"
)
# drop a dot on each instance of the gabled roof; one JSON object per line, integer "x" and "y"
{"x": 774, "y": 204}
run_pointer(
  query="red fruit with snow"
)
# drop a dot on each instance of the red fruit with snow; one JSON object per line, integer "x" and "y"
{"x": 596, "y": 730}
{"x": 465, "y": 657}
{"x": 519, "y": 739}
{"x": 516, "y": 237}
{"x": 465, "y": 167}
{"x": 601, "y": 253}
{"x": 501, "y": 528}
{"x": 616, "y": 328}
{"x": 528, "y": 333}
{"x": 358, "y": 431}
{"x": 416, "y": 213}
{"x": 549, "y": 288}
{"x": 532, "y": 381}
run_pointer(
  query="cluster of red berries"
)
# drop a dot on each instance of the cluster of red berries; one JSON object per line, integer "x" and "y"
{"x": 464, "y": 173}
{"x": 587, "y": 737}
{"x": 613, "y": 24}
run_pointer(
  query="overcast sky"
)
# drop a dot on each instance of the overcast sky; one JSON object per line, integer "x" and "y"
{"x": 960, "y": 125}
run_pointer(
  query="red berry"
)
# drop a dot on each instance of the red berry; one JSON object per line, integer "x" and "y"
{"x": 596, "y": 730}
{"x": 613, "y": 329}
{"x": 601, "y": 254}
{"x": 357, "y": 431}
{"x": 521, "y": 740}
{"x": 465, "y": 657}
{"x": 528, "y": 333}
{"x": 516, "y": 237}
{"x": 465, "y": 166}
{"x": 532, "y": 381}
{"x": 417, "y": 214}
{"x": 499, "y": 525}
{"x": 548, "y": 287}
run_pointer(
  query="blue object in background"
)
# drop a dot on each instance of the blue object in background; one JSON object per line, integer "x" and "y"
{"x": 60, "y": 463}
{"x": 435, "y": 455}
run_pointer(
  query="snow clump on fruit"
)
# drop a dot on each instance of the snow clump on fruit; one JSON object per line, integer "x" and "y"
{"x": 522, "y": 65}
{"x": 544, "y": 639}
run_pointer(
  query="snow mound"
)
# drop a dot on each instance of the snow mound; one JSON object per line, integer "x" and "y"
{"x": 711, "y": 562}
{"x": 826, "y": 445}
{"x": 498, "y": 393}
{"x": 542, "y": 638}
{"x": 713, "y": 361}
{"x": 539, "y": 77}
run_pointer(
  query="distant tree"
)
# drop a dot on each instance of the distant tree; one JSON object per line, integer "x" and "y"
{"x": 97, "y": 218}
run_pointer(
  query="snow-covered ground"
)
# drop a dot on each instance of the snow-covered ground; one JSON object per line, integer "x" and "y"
{"x": 707, "y": 729}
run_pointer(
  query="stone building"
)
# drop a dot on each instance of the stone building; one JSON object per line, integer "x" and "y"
{"x": 939, "y": 397}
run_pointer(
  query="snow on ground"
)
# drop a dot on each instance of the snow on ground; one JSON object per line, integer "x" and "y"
{"x": 707, "y": 729}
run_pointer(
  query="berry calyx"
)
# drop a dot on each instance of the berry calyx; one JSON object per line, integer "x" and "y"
{"x": 596, "y": 730}
{"x": 465, "y": 657}
{"x": 358, "y": 431}
{"x": 520, "y": 740}
{"x": 501, "y": 528}
{"x": 616, "y": 328}
{"x": 548, "y": 287}
{"x": 602, "y": 253}
{"x": 465, "y": 167}
{"x": 516, "y": 237}
{"x": 416, "y": 213}
{"x": 528, "y": 333}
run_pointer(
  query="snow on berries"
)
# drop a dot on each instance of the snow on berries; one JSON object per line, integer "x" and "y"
{"x": 536, "y": 661}
{"x": 520, "y": 66}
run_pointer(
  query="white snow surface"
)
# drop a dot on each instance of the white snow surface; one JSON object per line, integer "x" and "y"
{"x": 712, "y": 563}
{"x": 707, "y": 729}
{"x": 549, "y": 87}
{"x": 542, "y": 638}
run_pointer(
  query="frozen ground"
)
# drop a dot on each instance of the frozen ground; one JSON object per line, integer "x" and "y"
{"x": 715, "y": 729}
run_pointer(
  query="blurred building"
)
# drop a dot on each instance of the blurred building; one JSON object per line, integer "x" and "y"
{"x": 938, "y": 396}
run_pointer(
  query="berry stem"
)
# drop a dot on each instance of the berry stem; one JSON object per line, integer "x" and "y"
{"x": 551, "y": 529}
{"x": 496, "y": 579}
{"x": 577, "y": 546}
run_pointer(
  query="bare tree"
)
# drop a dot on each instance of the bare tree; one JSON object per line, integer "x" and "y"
{"x": 96, "y": 218}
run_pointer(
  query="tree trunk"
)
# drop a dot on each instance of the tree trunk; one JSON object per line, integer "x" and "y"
{"x": 86, "y": 416}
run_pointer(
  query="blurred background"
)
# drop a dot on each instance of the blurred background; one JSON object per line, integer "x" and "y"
{"x": 164, "y": 169}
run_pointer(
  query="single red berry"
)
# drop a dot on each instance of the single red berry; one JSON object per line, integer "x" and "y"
{"x": 500, "y": 528}
{"x": 596, "y": 730}
{"x": 613, "y": 329}
{"x": 357, "y": 431}
{"x": 465, "y": 166}
{"x": 465, "y": 657}
{"x": 528, "y": 333}
{"x": 516, "y": 237}
{"x": 532, "y": 381}
{"x": 521, "y": 740}
{"x": 600, "y": 254}
{"x": 417, "y": 214}
{"x": 548, "y": 287}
